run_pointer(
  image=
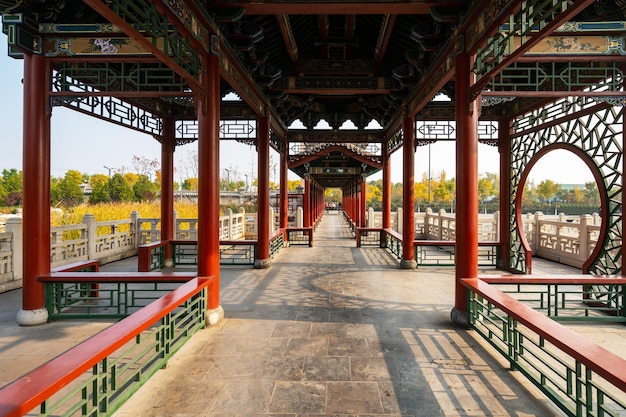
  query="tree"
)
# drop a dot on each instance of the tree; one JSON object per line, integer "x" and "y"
{"x": 485, "y": 189}
{"x": 131, "y": 178}
{"x": 332, "y": 195}
{"x": 188, "y": 167}
{"x": 592, "y": 195}
{"x": 12, "y": 182}
{"x": 292, "y": 185}
{"x": 99, "y": 184}
{"x": 420, "y": 190}
{"x": 100, "y": 193}
{"x": 144, "y": 189}
{"x": 191, "y": 184}
{"x": 547, "y": 189}
{"x": 69, "y": 188}
{"x": 119, "y": 189}
{"x": 3, "y": 192}
{"x": 55, "y": 194}
{"x": 373, "y": 196}
{"x": 144, "y": 166}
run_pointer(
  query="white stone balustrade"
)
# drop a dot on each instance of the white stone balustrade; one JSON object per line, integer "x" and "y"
{"x": 565, "y": 239}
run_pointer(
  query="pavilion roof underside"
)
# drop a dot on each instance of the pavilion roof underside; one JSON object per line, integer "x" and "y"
{"x": 337, "y": 61}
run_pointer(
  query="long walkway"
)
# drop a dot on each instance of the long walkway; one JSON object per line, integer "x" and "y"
{"x": 328, "y": 330}
{"x": 335, "y": 330}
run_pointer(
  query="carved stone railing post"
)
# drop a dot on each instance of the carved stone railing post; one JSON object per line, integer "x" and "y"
{"x": 272, "y": 222}
{"x": 230, "y": 231}
{"x": 399, "y": 220}
{"x": 136, "y": 226}
{"x": 299, "y": 217}
{"x": 497, "y": 219}
{"x": 440, "y": 219}
{"x": 537, "y": 231}
{"x": 90, "y": 221}
{"x": 242, "y": 212}
{"x": 176, "y": 225}
{"x": 370, "y": 217}
{"x": 583, "y": 237}
{"x": 15, "y": 226}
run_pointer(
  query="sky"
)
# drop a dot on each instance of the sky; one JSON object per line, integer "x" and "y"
{"x": 92, "y": 146}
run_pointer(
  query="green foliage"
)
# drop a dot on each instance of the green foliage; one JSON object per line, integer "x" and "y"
{"x": 547, "y": 189}
{"x": 119, "y": 189}
{"x": 3, "y": 191}
{"x": 69, "y": 188}
{"x": 144, "y": 189}
{"x": 12, "y": 184}
{"x": 191, "y": 184}
{"x": 100, "y": 193}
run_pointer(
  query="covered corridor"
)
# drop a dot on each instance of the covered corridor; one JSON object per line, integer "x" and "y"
{"x": 333, "y": 330}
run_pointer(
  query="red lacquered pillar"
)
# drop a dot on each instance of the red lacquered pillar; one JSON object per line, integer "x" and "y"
{"x": 307, "y": 200}
{"x": 363, "y": 202}
{"x": 284, "y": 187}
{"x": 353, "y": 200}
{"x": 504, "y": 148}
{"x": 36, "y": 189}
{"x": 386, "y": 188}
{"x": 408, "y": 194}
{"x": 466, "y": 188}
{"x": 168, "y": 145}
{"x": 209, "y": 185}
{"x": 263, "y": 233}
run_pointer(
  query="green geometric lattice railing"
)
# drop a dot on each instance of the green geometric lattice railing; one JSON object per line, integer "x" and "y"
{"x": 97, "y": 376}
{"x": 73, "y": 295}
{"x": 568, "y": 297}
{"x": 579, "y": 377}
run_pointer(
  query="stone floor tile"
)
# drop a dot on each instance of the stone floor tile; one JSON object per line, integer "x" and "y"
{"x": 302, "y": 397}
{"x": 408, "y": 398}
{"x": 307, "y": 347}
{"x": 292, "y": 329}
{"x": 277, "y": 368}
{"x": 243, "y": 397}
{"x": 372, "y": 369}
{"x": 326, "y": 368}
{"x": 353, "y": 398}
{"x": 348, "y": 347}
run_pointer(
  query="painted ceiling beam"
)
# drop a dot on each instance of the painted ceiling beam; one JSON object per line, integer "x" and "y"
{"x": 260, "y": 7}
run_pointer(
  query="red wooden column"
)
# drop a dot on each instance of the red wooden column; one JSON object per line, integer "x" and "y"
{"x": 354, "y": 215}
{"x": 504, "y": 148}
{"x": 307, "y": 200}
{"x": 168, "y": 145}
{"x": 284, "y": 187}
{"x": 408, "y": 194}
{"x": 348, "y": 206}
{"x": 363, "y": 198}
{"x": 466, "y": 187}
{"x": 209, "y": 185}
{"x": 263, "y": 220}
{"x": 36, "y": 189}
{"x": 386, "y": 188}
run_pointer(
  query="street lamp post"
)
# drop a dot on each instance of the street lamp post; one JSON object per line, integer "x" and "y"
{"x": 247, "y": 186}
{"x": 110, "y": 169}
{"x": 227, "y": 178}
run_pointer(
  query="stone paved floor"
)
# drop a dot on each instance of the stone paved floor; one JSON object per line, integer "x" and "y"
{"x": 335, "y": 330}
{"x": 329, "y": 330}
